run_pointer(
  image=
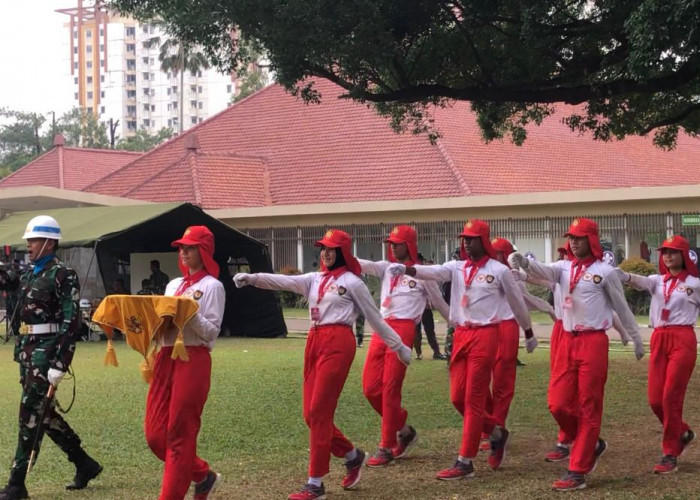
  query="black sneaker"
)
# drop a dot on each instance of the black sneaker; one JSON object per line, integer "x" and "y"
{"x": 437, "y": 355}
{"x": 570, "y": 481}
{"x": 498, "y": 449}
{"x": 519, "y": 363}
{"x": 559, "y": 454}
{"x": 14, "y": 492}
{"x": 208, "y": 486}
{"x": 667, "y": 465}
{"x": 406, "y": 442}
{"x": 686, "y": 438}
{"x": 600, "y": 449}
{"x": 354, "y": 470}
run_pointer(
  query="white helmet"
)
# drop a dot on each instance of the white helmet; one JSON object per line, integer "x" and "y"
{"x": 42, "y": 226}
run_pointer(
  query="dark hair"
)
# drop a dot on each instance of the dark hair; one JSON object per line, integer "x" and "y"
{"x": 156, "y": 263}
{"x": 145, "y": 283}
{"x": 339, "y": 260}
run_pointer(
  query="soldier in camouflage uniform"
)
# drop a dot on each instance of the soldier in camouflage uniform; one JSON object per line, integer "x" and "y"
{"x": 46, "y": 325}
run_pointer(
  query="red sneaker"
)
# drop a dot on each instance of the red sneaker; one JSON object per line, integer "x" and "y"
{"x": 571, "y": 481}
{"x": 354, "y": 470}
{"x": 406, "y": 442}
{"x": 485, "y": 445}
{"x": 381, "y": 458}
{"x": 667, "y": 465}
{"x": 208, "y": 486}
{"x": 309, "y": 492}
{"x": 498, "y": 450}
{"x": 559, "y": 454}
{"x": 458, "y": 471}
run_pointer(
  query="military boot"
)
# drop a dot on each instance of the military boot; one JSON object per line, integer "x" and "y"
{"x": 15, "y": 489}
{"x": 86, "y": 469}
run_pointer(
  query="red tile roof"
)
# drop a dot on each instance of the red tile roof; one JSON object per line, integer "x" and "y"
{"x": 69, "y": 168}
{"x": 342, "y": 151}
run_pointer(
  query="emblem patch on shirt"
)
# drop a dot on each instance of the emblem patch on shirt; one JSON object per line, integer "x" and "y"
{"x": 341, "y": 290}
{"x": 404, "y": 282}
{"x": 481, "y": 278}
{"x": 587, "y": 277}
{"x": 197, "y": 294}
{"x": 489, "y": 279}
{"x": 597, "y": 279}
{"x": 689, "y": 291}
{"x": 411, "y": 284}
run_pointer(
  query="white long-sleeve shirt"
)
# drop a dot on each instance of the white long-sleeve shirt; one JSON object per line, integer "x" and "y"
{"x": 531, "y": 302}
{"x": 492, "y": 285}
{"x": 204, "y": 327}
{"x": 409, "y": 296}
{"x": 342, "y": 299}
{"x": 683, "y": 305}
{"x": 591, "y": 304}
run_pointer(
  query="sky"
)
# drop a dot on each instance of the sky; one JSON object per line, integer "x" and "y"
{"x": 34, "y": 56}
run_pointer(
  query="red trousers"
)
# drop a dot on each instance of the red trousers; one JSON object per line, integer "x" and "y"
{"x": 557, "y": 332}
{"x": 500, "y": 396}
{"x": 174, "y": 407}
{"x": 473, "y": 356}
{"x": 673, "y": 355}
{"x": 382, "y": 380}
{"x": 576, "y": 393}
{"x": 330, "y": 350}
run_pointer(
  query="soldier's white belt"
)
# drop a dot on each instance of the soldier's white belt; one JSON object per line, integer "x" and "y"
{"x": 40, "y": 329}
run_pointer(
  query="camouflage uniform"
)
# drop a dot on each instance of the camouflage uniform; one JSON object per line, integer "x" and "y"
{"x": 50, "y": 296}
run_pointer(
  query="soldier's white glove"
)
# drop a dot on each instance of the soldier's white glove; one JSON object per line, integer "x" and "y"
{"x": 404, "y": 354}
{"x": 243, "y": 279}
{"x": 531, "y": 344}
{"x": 624, "y": 277}
{"x": 638, "y": 348}
{"x": 55, "y": 376}
{"x": 518, "y": 261}
{"x": 396, "y": 269}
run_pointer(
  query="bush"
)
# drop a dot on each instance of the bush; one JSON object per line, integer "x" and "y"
{"x": 291, "y": 299}
{"x": 638, "y": 301}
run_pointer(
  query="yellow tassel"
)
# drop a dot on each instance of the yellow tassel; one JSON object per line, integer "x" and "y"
{"x": 147, "y": 371}
{"x": 111, "y": 356}
{"x": 179, "y": 350}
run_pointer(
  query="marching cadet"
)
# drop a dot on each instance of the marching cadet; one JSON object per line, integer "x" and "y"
{"x": 403, "y": 301}
{"x": 675, "y": 304}
{"x": 480, "y": 284}
{"x": 591, "y": 291}
{"x": 335, "y": 295}
{"x": 46, "y": 319}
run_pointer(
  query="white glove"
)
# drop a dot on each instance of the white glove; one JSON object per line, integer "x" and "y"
{"x": 243, "y": 279}
{"x": 638, "y": 348}
{"x": 396, "y": 269}
{"x": 624, "y": 338}
{"x": 55, "y": 376}
{"x": 518, "y": 261}
{"x": 404, "y": 354}
{"x": 531, "y": 344}
{"x": 624, "y": 277}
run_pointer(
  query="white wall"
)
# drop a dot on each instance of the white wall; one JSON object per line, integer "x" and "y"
{"x": 141, "y": 267}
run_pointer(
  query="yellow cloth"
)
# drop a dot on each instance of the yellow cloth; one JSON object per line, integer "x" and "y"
{"x": 140, "y": 318}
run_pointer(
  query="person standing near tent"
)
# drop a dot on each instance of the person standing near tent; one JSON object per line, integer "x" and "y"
{"x": 403, "y": 301}
{"x": 675, "y": 304}
{"x": 179, "y": 389}
{"x": 159, "y": 280}
{"x": 46, "y": 322}
{"x": 335, "y": 295}
{"x": 591, "y": 292}
{"x": 479, "y": 286}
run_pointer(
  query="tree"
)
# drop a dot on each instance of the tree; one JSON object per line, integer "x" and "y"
{"x": 634, "y": 66}
{"x": 21, "y": 140}
{"x": 253, "y": 77}
{"x": 82, "y": 129}
{"x": 177, "y": 56}
{"x": 143, "y": 141}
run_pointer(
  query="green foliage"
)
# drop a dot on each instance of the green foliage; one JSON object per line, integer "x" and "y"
{"x": 287, "y": 298}
{"x": 82, "y": 129}
{"x": 143, "y": 141}
{"x": 633, "y": 66}
{"x": 21, "y": 139}
{"x": 638, "y": 301}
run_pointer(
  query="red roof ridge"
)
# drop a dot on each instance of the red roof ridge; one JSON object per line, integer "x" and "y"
{"x": 150, "y": 177}
{"x": 61, "y": 176}
{"x": 195, "y": 177}
{"x": 103, "y": 150}
{"x": 16, "y": 172}
{"x": 461, "y": 182}
{"x": 234, "y": 154}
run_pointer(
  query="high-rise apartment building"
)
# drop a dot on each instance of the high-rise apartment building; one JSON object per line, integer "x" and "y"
{"x": 117, "y": 75}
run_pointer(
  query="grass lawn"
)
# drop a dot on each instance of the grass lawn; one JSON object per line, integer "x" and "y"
{"x": 253, "y": 432}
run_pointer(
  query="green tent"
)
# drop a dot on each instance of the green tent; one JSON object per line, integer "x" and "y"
{"x": 116, "y": 232}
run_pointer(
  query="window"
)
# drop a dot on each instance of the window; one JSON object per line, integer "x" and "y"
{"x": 145, "y": 107}
{"x": 168, "y": 76}
{"x": 131, "y": 94}
{"x": 76, "y": 95}
{"x": 170, "y": 122}
{"x": 102, "y": 78}
{"x": 75, "y": 50}
{"x": 130, "y": 31}
{"x": 130, "y": 47}
{"x": 88, "y": 33}
{"x": 229, "y": 88}
{"x": 131, "y": 64}
{"x": 194, "y": 120}
{"x": 102, "y": 94}
{"x": 130, "y": 78}
{"x": 89, "y": 95}
{"x": 144, "y": 60}
{"x": 199, "y": 89}
{"x": 145, "y": 29}
{"x": 89, "y": 65}
{"x": 200, "y": 120}
{"x": 192, "y": 73}
{"x": 145, "y": 76}
{"x": 153, "y": 107}
{"x": 102, "y": 110}
{"x": 75, "y": 65}
{"x": 199, "y": 74}
{"x": 88, "y": 49}
{"x": 201, "y": 105}
{"x": 89, "y": 79}
{"x": 89, "y": 109}
{"x": 193, "y": 88}
{"x": 174, "y": 89}
{"x": 170, "y": 107}
{"x": 147, "y": 123}
{"x": 131, "y": 125}
{"x": 102, "y": 63}
{"x": 75, "y": 80}
{"x": 102, "y": 32}
{"x": 175, "y": 105}
{"x": 102, "y": 47}
{"x": 146, "y": 92}
{"x": 153, "y": 92}
{"x": 75, "y": 33}
{"x": 193, "y": 104}
{"x": 169, "y": 90}
{"x": 152, "y": 61}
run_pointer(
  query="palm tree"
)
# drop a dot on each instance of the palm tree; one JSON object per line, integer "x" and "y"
{"x": 176, "y": 57}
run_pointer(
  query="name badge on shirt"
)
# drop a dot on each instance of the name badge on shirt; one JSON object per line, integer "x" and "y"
{"x": 315, "y": 314}
{"x": 665, "y": 313}
{"x": 465, "y": 301}
{"x": 568, "y": 302}
{"x": 386, "y": 302}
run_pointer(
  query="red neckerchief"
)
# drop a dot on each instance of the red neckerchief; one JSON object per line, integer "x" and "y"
{"x": 395, "y": 279}
{"x": 578, "y": 268}
{"x": 474, "y": 268}
{"x": 669, "y": 288}
{"x": 327, "y": 275}
{"x": 189, "y": 280}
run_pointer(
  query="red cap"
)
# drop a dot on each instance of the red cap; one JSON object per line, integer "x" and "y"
{"x": 681, "y": 244}
{"x": 476, "y": 228}
{"x": 588, "y": 228}
{"x": 335, "y": 238}
{"x": 503, "y": 245}
{"x": 202, "y": 238}
{"x": 407, "y": 235}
